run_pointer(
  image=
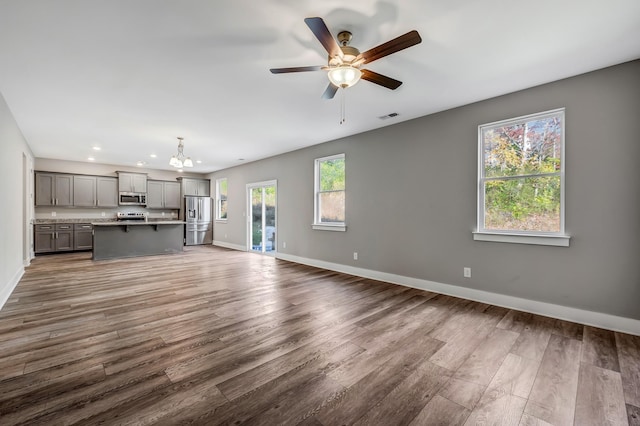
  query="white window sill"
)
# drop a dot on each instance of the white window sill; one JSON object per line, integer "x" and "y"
{"x": 540, "y": 239}
{"x": 221, "y": 220}
{"x": 327, "y": 227}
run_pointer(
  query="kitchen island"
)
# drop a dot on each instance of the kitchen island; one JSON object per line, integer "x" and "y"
{"x": 132, "y": 238}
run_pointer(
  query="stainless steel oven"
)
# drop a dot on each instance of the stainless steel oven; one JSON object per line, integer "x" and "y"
{"x": 132, "y": 199}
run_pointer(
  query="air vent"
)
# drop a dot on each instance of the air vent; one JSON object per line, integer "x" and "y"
{"x": 384, "y": 117}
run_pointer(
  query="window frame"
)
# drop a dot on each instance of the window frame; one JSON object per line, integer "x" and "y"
{"x": 219, "y": 200}
{"x": 317, "y": 224}
{"x": 558, "y": 238}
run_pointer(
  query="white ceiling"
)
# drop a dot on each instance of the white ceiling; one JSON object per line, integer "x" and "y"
{"x": 132, "y": 75}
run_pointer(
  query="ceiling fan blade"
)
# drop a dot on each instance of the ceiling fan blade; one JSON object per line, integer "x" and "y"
{"x": 380, "y": 79}
{"x": 392, "y": 46}
{"x": 320, "y": 30}
{"x": 295, "y": 69}
{"x": 330, "y": 91}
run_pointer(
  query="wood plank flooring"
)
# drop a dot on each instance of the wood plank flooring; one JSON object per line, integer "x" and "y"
{"x": 218, "y": 337}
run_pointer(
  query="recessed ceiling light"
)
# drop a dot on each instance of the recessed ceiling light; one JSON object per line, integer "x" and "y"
{"x": 96, "y": 148}
{"x": 240, "y": 159}
{"x": 199, "y": 161}
{"x": 140, "y": 163}
{"x": 91, "y": 159}
{"x": 153, "y": 156}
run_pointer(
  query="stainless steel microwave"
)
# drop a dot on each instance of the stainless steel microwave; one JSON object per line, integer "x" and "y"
{"x": 132, "y": 199}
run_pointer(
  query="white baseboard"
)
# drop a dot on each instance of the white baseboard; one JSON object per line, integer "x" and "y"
{"x": 229, "y": 245}
{"x": 596, "y": 319}
{"x": 7, "y": 289}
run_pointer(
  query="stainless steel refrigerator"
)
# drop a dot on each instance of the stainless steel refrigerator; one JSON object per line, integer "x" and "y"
{"x": 199, "y": 227}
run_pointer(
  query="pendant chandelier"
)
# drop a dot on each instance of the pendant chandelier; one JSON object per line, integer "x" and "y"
{"x": 178, "y": 161}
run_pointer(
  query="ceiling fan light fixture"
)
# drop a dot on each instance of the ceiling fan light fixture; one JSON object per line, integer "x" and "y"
{"x": 344, "y": 75}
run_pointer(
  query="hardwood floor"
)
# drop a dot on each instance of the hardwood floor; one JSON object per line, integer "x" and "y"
{"x": 214, "y": 336}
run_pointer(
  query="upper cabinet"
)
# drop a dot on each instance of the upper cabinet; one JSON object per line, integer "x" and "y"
{"x": 107, "y": 189}
{"x": 132, "y": 182}
{"x": 84, "y": 191}
{"x": 172, "y": 195}
{"x": 198, "y": 187}
{"x": 53, "y": 189}
{"x": 95, "y": 191}
{"x": 155, "y": 194}
{"x": 163, "y": 195}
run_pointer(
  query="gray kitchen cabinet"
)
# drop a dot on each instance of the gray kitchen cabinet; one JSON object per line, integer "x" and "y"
{"x": 198, "y": 187}
{"x": 53, "y": 189}
{"x": 44, "y": 239}
{"x": 172, "y": 195}
{"x": 84, "y": 191}
{"x": 132, "y": 182}
{"x": 53, "y": 238}
{"x": 95, "y": 191}
{"x": 64, "y": 237}
{"x": 155, "y": 194}
{"x": 82, "y": 236}
{"x": 163, "y": 195}
{"x": 107, "y": 190}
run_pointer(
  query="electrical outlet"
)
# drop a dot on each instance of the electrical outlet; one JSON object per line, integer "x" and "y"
{"x": 467, "y": 272}
{"x": 284, "y": 244}
{"x": 225, "y": 236}
{"x": 162, "y": 214}
{"x": 53, "y": 214}
{"x": 355, "y": 255}
{"x": 103, "y": 214}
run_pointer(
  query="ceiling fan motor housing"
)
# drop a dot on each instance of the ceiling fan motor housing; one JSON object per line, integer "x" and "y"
{"x": 349, "y": 55}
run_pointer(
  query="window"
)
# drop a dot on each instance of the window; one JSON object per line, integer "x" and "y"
{"x": 221, "y": 199}
{"x": 521, "y": 180}
{"x": 330, "y": 193}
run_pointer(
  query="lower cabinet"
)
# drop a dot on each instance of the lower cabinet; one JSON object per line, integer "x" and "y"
{"x": 82, "y": 236}
{"x": 64, "y": 237}
{"x": 60, "y": 237}
{"x": 44, "y": 238}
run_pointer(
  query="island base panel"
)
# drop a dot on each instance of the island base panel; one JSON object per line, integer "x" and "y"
{"x": 114, "y": 242}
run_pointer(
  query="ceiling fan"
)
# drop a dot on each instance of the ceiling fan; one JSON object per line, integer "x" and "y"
{"x": 345, "y": 61}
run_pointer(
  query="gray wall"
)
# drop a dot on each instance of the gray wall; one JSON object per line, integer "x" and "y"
{"x": 411, "y": 199}
{"x": 15, "y": 211}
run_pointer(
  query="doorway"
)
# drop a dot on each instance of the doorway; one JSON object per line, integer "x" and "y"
{"x": 262, "y": 218}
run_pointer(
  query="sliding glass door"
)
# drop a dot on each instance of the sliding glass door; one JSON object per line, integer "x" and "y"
{"x": 262, "y": 217}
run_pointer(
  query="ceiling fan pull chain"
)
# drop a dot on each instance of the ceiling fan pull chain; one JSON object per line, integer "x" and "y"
{"x": 342, "y": 106}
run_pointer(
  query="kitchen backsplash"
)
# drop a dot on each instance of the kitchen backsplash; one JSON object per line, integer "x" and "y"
{"x": 80, "y": 213}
